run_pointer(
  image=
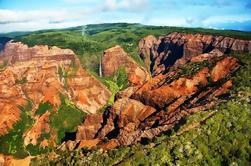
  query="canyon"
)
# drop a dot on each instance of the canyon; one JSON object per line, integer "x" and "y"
{"x": 178, "y": 48}
{"x": 41, "y": 74}
{"x": 146, "y": 111}
{"x": 183, "y": 74}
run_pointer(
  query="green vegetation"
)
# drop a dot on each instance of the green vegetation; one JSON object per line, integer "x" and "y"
{"x": 223, "y": 139}
{"x": 62, "y": 73}
{"x": 74, "y": 68}
{"x": 43, "y": 107}
{"x": 120, "y": 77}
{"x": 37, "y": 150}
{"x": 242, "y": 79}
{"x": 12, "y": 143}
{"x": 3, "y": 65}
{"x": 90, "y": 45}
{"x": 21, "y": 81}
{"x": 66, "y": 119}
{"x": 117, "y": 82}
{"x": 191, "y": 68}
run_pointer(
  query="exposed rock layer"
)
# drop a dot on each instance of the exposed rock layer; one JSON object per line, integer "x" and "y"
{"x": 178, "y": 48}
{"x": 116, "y": 57}
{"x": 149, "y": 107}
{"x": 41, "y": 74}
{"x": 162, "y": 102}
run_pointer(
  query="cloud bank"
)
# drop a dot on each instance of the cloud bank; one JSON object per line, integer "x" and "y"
{"x": 66, "y": 13}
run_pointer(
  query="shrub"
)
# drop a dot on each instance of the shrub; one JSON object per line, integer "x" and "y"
{"x": 12, "y": 143}
{"x": 66, "y": 119}
{"x": 43, "y": 107}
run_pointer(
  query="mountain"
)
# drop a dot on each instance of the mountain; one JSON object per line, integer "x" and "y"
{"x": 126, "y": 94}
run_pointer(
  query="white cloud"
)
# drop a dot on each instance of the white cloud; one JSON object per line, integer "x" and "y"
{"x": 225, "y": 19}
{"x": 80, "y": 1}
{"x": 167, "y": 21}
{"x": 74, "y": 1}
{"x": 23, "y": 20}
{"x": 125, "y": 4}
{"x": 36, "y": 25}
{"x": 13, "y": 20}
{"x": 11, "y": 16}
{"x": 80, "y": 12}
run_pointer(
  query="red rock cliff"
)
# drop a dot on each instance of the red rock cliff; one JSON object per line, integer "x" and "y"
{"x": 116, "y": 57}
{"x": 159, "y": 104}
{"x": 177, "y": 48}
{"x": 40, "y": 74}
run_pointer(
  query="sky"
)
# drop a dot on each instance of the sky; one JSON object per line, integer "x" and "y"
{"x": 29, "y": 15}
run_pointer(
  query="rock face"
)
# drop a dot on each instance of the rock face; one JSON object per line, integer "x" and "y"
{"x": 179, "y": 48}
{"x": 10, "y": 114}
{"x": 223, "y": 68}
{"x": 207, "y": 56}
{"x": 131, "y": 111}
{"x": 116, "y": 57}
{"x": 90, "y": 127}
{"x": 18, "y": 52}
{"x": 41, "y": 74}
{"x": 7, "y": 160}
{"x": 162, "y": 102}
{"x": 147, "y": 108}
{"x": 148, "y": 50}
{"x": 41, "y": 125}
{"x": 171, "y": 94}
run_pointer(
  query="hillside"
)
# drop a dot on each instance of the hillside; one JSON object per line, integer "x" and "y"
{"x": 126, "y": 94}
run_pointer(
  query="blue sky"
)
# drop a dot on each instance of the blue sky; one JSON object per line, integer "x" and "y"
{"x": 27, "y": 15}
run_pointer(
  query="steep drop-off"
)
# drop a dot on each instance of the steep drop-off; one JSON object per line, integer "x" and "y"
{"x": 179, "y": 48}
{"x": 40, "y": 76}
{"x": 161, "y": 103}
{"x": 190, "y": 73}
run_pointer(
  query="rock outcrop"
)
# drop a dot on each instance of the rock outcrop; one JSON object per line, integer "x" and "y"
{"x": 90, "y": 127}
{"x": 7, "y": 160}
{"x": 190, "y": 73}
{"x": 162, "y": 102}
{"x": 41, "y": 74}
{"x": 148, "y": 50}
{"x": 172, "y": 93}
{"x": 179, "y": 48}
{"x": 33, "y": 134}
{"x": 116, "y": 57}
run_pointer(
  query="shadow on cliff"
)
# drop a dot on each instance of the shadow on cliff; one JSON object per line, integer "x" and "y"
{"x": 3, "y": 41}
{"x": 69, "y": 136}
{"x": 171, "y": 53}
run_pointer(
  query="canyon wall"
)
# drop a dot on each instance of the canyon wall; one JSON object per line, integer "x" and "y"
{"x": 178, "y": 48}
